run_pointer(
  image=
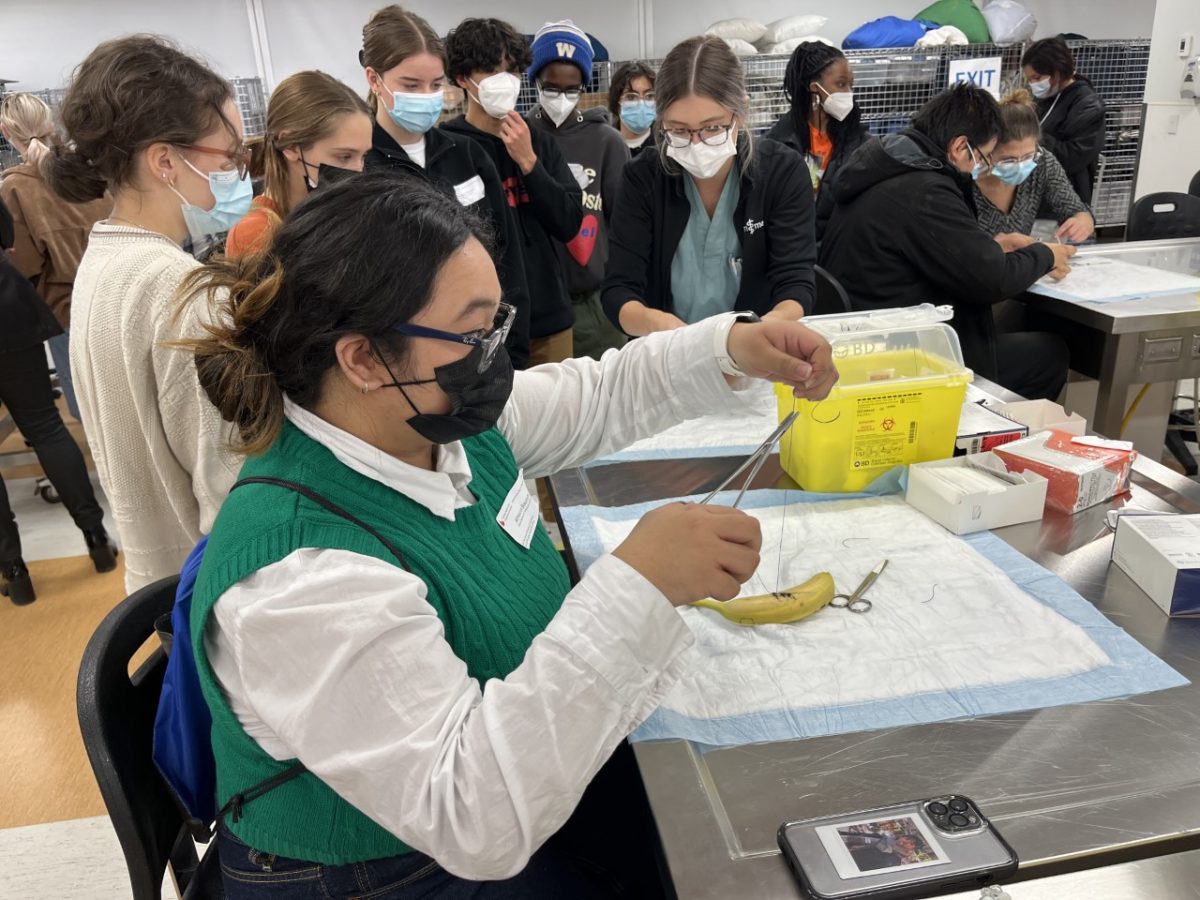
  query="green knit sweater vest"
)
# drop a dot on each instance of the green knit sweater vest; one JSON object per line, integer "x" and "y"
{"x": 493, "y": 597}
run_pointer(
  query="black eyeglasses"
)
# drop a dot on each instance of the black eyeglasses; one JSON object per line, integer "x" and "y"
{"x": 490, "y": 339}
{"x": 553, "y": 93}
{"x": 713, "y": 135}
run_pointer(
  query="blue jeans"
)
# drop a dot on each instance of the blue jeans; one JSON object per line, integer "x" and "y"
{"x": 60, "y": 351}
{"x": 605, "y": 851}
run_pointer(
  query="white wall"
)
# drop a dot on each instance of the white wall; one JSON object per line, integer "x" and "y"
{"x": 328, "y": 36}
{"x": 41, "y": 41}
{"x": 1168, "y": 159}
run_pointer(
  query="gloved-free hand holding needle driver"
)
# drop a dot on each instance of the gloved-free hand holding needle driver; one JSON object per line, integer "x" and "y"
{"x": 755, "y": 459}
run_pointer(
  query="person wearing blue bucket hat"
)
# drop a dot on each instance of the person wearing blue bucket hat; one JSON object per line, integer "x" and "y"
{"x": 596, "y": 155}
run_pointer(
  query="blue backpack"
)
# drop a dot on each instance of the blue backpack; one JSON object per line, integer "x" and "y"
{"x": 183, "y": 724}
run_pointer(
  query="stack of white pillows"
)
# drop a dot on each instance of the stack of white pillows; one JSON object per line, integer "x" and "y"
{"x": 747, "y": 37}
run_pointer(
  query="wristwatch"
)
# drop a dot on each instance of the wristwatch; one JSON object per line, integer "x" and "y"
{"x": 724, "y": 360}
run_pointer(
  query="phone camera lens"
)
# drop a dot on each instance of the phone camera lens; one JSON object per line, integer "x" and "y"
{"x": 937, "y": 809}
{"x": 958, "y": 820}
{"x": 958, "y": 805}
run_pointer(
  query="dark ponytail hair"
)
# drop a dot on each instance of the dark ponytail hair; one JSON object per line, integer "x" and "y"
{"x": 331, "y": 270}
{"x": 129, "y": 93}
{"x": 808, "y": 62}
{"x": 1052, "y": 56}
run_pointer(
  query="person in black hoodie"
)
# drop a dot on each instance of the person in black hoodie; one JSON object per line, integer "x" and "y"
{"x": 405, "y": 65}
{"x": 707, "y": 222}
{"x": 25, "y": 391}
{"x": 485, "y": 58}
{"x": 596, "y": 155}
{"x": 904, "y": 231}
{"x": 824, "y": 125}
{"x": 1071, "y": 112}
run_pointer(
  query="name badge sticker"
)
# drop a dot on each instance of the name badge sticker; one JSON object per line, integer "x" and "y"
{"x": 518, "y": 514}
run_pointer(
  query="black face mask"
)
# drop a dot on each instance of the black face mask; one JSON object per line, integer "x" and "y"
{"x": 326, "y": 174}
{"x": 478, "y": 398}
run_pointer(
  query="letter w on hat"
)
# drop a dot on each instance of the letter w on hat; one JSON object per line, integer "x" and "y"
{"x": 562, "y": 42}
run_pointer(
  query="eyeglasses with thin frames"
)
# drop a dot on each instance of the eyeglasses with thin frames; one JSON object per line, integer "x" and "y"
{"x": 553, "y": 93}
{"x": 491, "y": 339}
{"x": 635, "y": 97}
{"x": 239, "y": 157}
{"x": 713, "y": 135}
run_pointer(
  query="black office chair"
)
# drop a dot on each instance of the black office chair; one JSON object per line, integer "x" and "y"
{"x": 831, "y": 296}
{"x": 1194, "y": 187}
{"x": 116, "y": 715}
{"x": 1164, "y": 216}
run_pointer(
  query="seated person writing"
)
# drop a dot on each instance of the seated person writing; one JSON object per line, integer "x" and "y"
{"x": 904, "y": 232}
{"x": 1023, "y": 179}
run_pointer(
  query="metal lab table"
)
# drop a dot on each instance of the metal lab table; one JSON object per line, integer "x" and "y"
{"x": 1155, "y": 339}
{"x": 1073, "y": 787}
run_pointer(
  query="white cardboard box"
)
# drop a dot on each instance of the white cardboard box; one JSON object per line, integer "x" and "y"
{"x": 980, "y": 429}
{"x": 1042, "y": 414}
{"x": 1162, "y": 555}
{"x": 965, "y": 513}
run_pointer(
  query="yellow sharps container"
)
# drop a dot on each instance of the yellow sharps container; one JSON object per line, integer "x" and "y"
{"x": 898, "y": 399}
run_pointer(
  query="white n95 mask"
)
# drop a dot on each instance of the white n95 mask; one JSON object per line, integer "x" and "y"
{"x": 498, "y": 94}
{"x": 838, "y": 105}
{"x": 703, "y": 160}
{"x": 558, "y": 108}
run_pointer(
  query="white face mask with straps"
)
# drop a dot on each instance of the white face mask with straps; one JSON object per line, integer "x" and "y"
{"x": 702, "y": 160}
{"x": 498, "y": 94}
{"x": 838, "y": 105}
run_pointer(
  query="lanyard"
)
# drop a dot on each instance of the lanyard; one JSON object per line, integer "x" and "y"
{"x": 1050, "y": 110}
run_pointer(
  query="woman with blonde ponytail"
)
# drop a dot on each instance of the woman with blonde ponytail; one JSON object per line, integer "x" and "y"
{"x": 317, "y": 128}
{"x": 50, "y": 234}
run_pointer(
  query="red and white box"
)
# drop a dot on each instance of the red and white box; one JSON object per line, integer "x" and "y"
{"x": 1082, "y": 471}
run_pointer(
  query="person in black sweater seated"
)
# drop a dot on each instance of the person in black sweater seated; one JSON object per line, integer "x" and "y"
{"x": 1071, "y": 112}
{"x": 708, "y": 221}
{"x": 904, "y": 231}
{"x": 485, "y": 57}
{"x": 824, "y": 125}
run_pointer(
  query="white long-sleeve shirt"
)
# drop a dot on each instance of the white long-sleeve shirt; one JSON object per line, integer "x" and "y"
{"x": 337, "y": 659}
{"x": 160, "y": 446}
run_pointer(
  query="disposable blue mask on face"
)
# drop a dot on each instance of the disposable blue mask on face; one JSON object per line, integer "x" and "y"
{"x": 977, "y": 169}
{"x": 416, "y": 113}
{"x": 1014, "y": 172}
{"x": 233, "y": 195}
{"x": 638, "y": 115}
{"x": 1040, "y": 89}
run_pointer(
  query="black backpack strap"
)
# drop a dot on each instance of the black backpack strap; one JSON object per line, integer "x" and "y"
{"x": 332, "y": 507}
{"x": 234, "y": 807}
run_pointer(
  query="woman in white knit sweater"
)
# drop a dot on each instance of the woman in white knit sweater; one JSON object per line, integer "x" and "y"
{"x": 159, "y": 131}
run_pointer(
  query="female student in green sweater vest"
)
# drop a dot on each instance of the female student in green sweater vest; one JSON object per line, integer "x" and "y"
{"x": 449, "y": 694}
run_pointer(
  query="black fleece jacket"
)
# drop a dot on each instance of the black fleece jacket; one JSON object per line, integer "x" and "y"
{"x": 453, "y": 164}
{"x": 774, "y": 220}
{"x": 1073, "y": 130}
{"x": 548, "y": 208}
{"x": 784, "y": 131}
{"x": 904, "y": 232}
{"x": 25, "y": 320}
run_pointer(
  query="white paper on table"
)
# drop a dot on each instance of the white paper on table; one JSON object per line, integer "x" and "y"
{"x": 1099, "y": 279}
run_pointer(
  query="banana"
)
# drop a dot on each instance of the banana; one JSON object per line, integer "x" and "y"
{"x": 777, "y": 609}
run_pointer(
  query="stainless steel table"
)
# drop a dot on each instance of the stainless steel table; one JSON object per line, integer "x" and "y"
{"x": 1155, "y": 339}
{"x": 1071, "y": 788}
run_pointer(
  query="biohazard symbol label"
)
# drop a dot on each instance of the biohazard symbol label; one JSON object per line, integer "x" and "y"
{"x": 888, "y": 424}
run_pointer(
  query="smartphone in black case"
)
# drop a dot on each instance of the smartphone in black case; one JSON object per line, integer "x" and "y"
{"x": 896, "y": 852}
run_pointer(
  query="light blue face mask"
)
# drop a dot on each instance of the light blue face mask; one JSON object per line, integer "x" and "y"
{"x": 416, "y": 113}
{"x": 1014, "y": 172}
{"x": 233, "y": 195}
{"x": 638, "y": 115}
{"x": 977, "y": 169}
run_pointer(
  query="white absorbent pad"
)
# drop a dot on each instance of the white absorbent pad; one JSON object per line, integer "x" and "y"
{"x": 960, "y": 627}
{"x": 729, "y": 434}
